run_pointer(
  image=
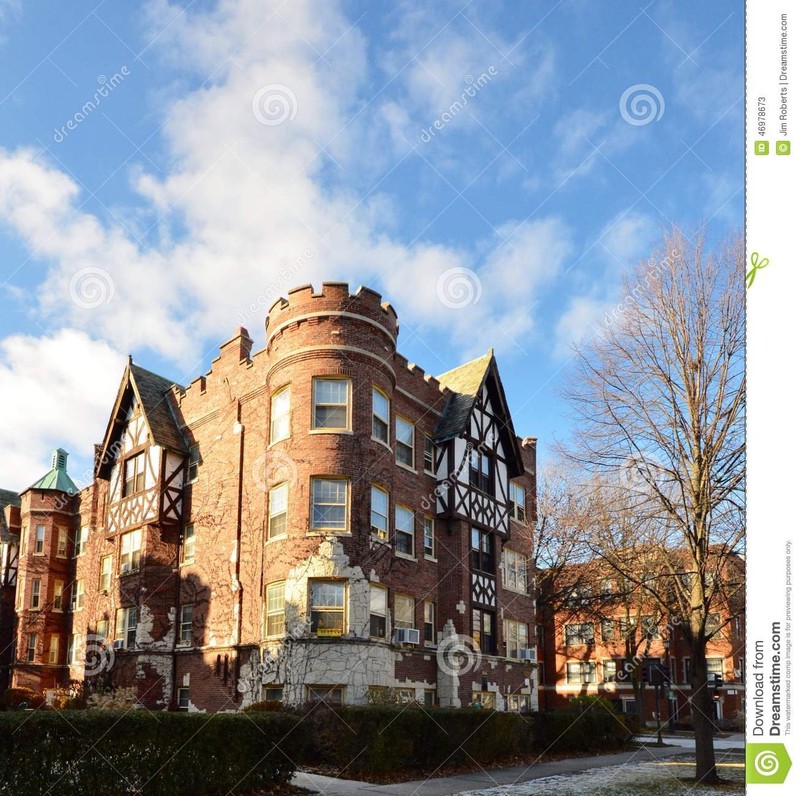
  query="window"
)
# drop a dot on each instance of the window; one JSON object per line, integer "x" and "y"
{"x": 125, "y": 630}
{"x": 516, "y": 634}
{"x": 131, "y": 551}
{"x": 429, "y": 697}
{"x": 713, "y": 626}
{"x": 76, "y": 601}
{"x": 329, "y": 504}
{"x": 61, "y": 550}
{"x": 276, "y": 609}
{"x": 327, "y": 607}
{"x": 31, "y": 651}
{"x": 279, "y": 416}
{"x": 380, "y": 416}
{"x": 483, "y": 699}
{"x": 106, "y": 567}
{"x": 58, "y": 595}
{"x": 404, "y": 530}
{"x": 36, "y": 593}
{"x": 581, "y": 672}
{"x": 609, "y": 671}
{"x": 582, "y": 633}
{"x": 482, "y": 551}
{"x": 379, "y": 517}
{"x": 330, "y": 695}
{"x": 187, "y": 549}
{"x": 183, "y": 699}
{"x": 72, "y": 648}
{"x": 377, "y": 611}
{"x": 404, "y": 611}
{"x": 649, "y": 628}
{"x": 331, "y": 404}
{"x": 429, "y": 621}
{"x": 480, "y": 472}
{"x": 194, "y": 462}
{"x": 20, "y": 595}
{"x": 101, "y": 629}
{"x": 430, "y": 457}
{"x": 515, "y": 571}
{"x": 134, "y": 475}
{"x": 278, "y": 507}
{"x": 687, "y": 670}
{"x": 187, "y": 620}
{"x": 52, "y": 655}
{"x": 714, "y": 668}
{"x": 81, "y": 537}
{"x": 428, "y": 538}
{"x": 517, "y": 502}
{"x": 404, "y": 442}
{"x": 272, "y": 693}
{"x": 38, "y": 547}
{"x": 483, "y": 630}
{"x": 517, "y": 703}
{"x": 608, "y": 629}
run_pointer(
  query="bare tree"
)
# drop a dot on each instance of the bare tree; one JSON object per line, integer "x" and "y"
{"x": 660, "y": 399}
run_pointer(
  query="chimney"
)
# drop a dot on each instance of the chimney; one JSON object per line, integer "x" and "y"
{"x": 59, "y": 461}
{"x": 239, "y": 346}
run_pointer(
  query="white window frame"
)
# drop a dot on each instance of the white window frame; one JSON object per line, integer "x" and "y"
{"x": 36, "y": 594}
{"x": 337, "y": 528}
{"x": 280, "y": 416}
{"x": 429, "y": 537}
{"x": 609, "y": 669}
{"x": 30, "y": 649}
{"x": 316, "y": 380}
{"x": 429, "y": 621}
{"x": 63, "y": 545}
{"x": 517, "y": 495}
{"x": 581, "y": 672}
{"x": 376, "y": 416}
{"x": 188, "y": 544}
{"x": 515, "y": 571}
{"x": 106, "y": 572}
{"x": 378, "y": 607}
{"x": 53, "y": 650}
{"x": 39, "y": 540}
{"x": 430, "y": 448}
{"x": 577, "y": 635}
{"x": 516, "y": 637}
{"x": 76, "y": 596}
{"x": 183, "y": 699}
{"x": 278, "y": 507}
{"x": 381, "y": 533}
{"x": 185, "y": 636}
{"x": 275, "y": 609}
{"x": 73, "y": 643}
{"x": 402, "y": 443}
{"x": 139, "y": 463}
{"x": 81, "y": 538}
{"x": 322, "y": 607}
{"x": 404, "y": 611}
{"x": 130, "y": 558}
{"x": 58, "y": 595}
{"x": 124, "y": 628}
{"x": 194, "y": 464}
{"x": 403, "y": 532}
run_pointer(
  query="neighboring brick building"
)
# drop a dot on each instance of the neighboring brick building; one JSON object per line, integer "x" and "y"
{"x": 319, "y": 519}
{"x": 602, "y": 635}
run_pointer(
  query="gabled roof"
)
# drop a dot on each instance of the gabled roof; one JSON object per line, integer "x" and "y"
{"x": 152, "y": 393}
{"x": 57, "y": 478}
{"x": 7, "y": 498}
{"x": 465, "y": 383}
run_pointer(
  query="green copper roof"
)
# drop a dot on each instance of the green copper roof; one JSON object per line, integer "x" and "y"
{"x": 57, "y": 478}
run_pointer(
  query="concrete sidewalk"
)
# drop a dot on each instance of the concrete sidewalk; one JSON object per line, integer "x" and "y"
{"x": 475, "y": 780}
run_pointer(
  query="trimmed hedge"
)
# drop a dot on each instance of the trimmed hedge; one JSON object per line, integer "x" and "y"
{"x": 95, "y": 753}
{"x": 385, "y": 739}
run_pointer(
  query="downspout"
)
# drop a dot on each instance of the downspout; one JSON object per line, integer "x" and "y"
{"x": 179, "y": 552}
{"x": 239, "y": 428}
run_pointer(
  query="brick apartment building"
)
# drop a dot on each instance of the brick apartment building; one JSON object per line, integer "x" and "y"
{"x": 601, "y": 635}
{"x": 320, "y": 519}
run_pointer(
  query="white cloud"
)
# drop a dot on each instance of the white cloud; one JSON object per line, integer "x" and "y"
{"x": 55, "y": 391}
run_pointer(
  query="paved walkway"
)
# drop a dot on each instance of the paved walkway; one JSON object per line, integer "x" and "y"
{"x": 444, "y": 786}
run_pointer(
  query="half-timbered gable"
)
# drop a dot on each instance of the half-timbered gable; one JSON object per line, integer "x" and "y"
{"x": 143, "y": 455}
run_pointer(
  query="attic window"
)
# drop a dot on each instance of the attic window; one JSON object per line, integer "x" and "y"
{"x": 134, "y": 475}
{"x": 480, "y": 472}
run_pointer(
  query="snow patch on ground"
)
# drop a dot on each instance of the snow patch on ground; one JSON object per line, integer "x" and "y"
{"x": 656, "y": 778}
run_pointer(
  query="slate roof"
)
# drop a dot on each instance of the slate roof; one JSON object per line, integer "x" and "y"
{"x": 7, "y": 498}
{"x": 152, "y": 390}
{"x": 465, "y": 383}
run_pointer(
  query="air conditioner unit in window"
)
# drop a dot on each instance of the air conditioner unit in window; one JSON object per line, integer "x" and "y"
{"x": 406, "y": 635}
{"x": 119, "y": 644}
{"x": 528, "y": 654}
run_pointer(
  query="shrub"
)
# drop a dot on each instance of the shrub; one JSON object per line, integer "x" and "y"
{"x": 16, "y": 698}
{"x": 267, "y": 706}
{"x": 88, "y": 753}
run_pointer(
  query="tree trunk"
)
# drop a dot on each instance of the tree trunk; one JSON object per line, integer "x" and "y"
{"x": 703, "y": 718}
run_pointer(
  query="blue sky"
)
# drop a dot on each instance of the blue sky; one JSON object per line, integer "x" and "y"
{"x": 163, "y": 165}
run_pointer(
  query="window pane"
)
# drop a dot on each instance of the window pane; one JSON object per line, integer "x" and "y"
{"x": 377, "y": 600}
{"x": 404, "y": 519}
{"x": 331, "y": 391}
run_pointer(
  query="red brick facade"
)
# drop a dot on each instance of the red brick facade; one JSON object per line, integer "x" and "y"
{"x": 244, "y": 547}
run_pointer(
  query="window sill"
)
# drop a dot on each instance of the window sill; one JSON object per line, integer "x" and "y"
{"x": 182, "y": 564}
{"x": 522, "y": 523}
{"x": 431, "y": 558}
{"x": 129, "y": 572}
{"x": 276, "y": 441}
{"x": 323, "y": 532}
{"x": 429, "y": 472}
{"x": 382, "y": 443}
{"x": 380, "y": 540}
{"x": 516, "y": 591}
{"x": 281, "y": 538}
{"x": 330, "y": 431}
{"x": 406, "y": 556}
{"x": 406, "y": 467}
